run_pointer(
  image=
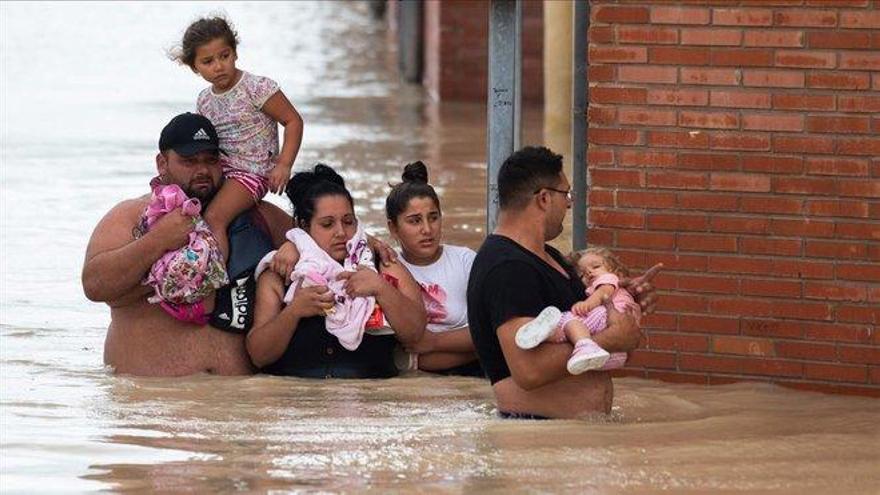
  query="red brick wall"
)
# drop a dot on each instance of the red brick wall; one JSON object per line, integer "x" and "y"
{"x": 456, "y": 50}
{"x": 738, "y": 142}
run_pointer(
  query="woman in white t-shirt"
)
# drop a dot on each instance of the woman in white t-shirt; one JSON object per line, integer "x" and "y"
{"x": 415, "y": 220}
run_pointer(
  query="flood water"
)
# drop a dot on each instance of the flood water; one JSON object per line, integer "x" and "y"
{"x": 86, "y": 89}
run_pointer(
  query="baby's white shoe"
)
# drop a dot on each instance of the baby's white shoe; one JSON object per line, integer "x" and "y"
{"x": 538, "y": 330}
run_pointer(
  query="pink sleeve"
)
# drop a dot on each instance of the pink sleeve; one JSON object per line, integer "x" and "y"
{"x": 259, "y": 89}
{"x": 607, "y": 279}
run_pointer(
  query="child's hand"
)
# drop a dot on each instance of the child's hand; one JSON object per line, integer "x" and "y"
{"x": 278, "y": 178}
{"x": 581, "y": 308}
{"x": 285, "y": 260}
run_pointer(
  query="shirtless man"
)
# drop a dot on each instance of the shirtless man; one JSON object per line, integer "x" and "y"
{"x": 515, "y": 275}
{"x": 142, "y": 339}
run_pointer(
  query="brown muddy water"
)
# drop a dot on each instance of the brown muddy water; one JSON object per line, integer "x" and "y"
{"x": 86, "y": 89}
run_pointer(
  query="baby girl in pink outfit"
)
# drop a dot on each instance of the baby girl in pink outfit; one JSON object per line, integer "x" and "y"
{"x": 183, "y": 277}
{"x": 348, "y": 317}
{"x": 600, "y": 271}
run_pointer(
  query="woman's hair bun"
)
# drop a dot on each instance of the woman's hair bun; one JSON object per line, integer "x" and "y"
{"x": 415, "y": 172}
{"x": 325, "y": 172}
{"x": 303, "y": 181}
{"x": 306, "y": 187}
{"x": 299, "y": 184}
{"x": 414, "y": 185}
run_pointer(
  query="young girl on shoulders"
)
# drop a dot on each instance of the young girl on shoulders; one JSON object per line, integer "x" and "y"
{"x": 601, "y": 271}
{"x": 246, "y": 110}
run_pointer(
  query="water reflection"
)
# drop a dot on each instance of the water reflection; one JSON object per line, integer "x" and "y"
{"x": 354, "y": 432}
{"x": 423, "y": 432}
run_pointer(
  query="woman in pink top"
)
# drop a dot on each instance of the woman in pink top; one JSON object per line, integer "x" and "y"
{"x": 246, "y": 110}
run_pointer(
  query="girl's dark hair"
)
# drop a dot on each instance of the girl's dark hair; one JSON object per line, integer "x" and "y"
{"x": 200, "y": 32}
{"x": 304, "y": 190}
{"x": 414, "y": 185}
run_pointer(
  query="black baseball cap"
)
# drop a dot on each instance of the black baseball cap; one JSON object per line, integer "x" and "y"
{"x": 188, "y": 134}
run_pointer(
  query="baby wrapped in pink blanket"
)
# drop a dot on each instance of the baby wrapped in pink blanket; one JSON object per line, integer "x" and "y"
{"x": 349, "y": 315}
{"x": 182, "y": 278}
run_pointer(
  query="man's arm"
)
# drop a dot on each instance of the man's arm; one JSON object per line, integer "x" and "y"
{"x": 545, "y": 364}
{"x": 622, "y": 332}
{"x": 116, "y": 262}
{"x": 510, "y": 292}
{"x": 536, "y": 367}
{"x": 456, "y": 341}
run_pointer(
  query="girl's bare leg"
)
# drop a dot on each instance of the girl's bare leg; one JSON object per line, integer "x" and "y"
{"x": 231, "y": 200}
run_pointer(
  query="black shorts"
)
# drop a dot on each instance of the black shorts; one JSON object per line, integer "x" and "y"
{"x": 517, "y": 415}
{"x": 234, "y": 304}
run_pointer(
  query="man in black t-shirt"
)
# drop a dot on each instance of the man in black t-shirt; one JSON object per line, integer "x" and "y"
{"x": 515, "y": 275}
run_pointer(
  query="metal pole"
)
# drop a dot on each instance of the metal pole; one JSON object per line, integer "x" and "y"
{"x": 579, "y": 98}
{"x": 503, "y": 99}
{"x": 409, "y": 40}
{"x": 517, "y": 78}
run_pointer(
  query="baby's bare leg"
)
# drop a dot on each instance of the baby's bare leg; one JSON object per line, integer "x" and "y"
{"x": 576, "y": 330}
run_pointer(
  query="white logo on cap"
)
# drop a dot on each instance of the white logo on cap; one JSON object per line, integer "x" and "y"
{"x": 201, "y": 134}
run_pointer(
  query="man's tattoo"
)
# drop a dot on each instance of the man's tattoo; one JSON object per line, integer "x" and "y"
{"x": 140, "y": 229}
